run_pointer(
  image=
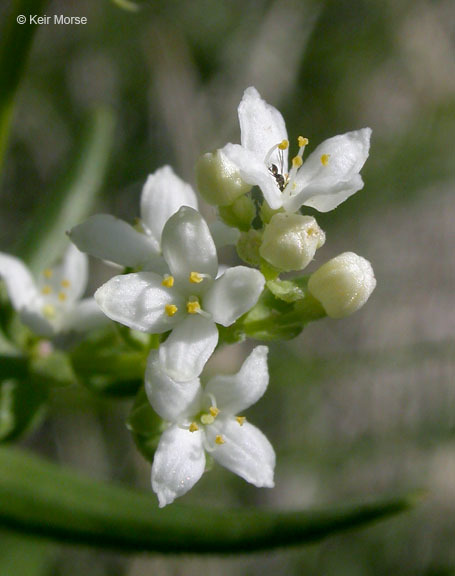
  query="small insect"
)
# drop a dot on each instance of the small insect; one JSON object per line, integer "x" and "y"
{"x": 280, "y": 180}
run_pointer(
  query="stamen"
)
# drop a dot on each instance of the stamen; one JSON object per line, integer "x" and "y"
{"x": 170, "y": 309}
{"x": 297, "y": 161}
{"x": 240, "y": 419}
{"x": 46, "y": 290}
{"x": 214, "y": 411}
{"x": 47, "y": 273}
{"x": 193, "y": 427}
{"x": 168, "y": 281}
{"x": 65, "y": 283}
{"x": 283, "y": 145}
{"x": 302, "y": 141}
{"x": 207, "y": 419}
{"x": 62, "y": 296}
{"x": 193, "y": 307}
{"x": 325, "y": 159}
{"x": 48, "y": 311}
{"x": 219, "y": 439}
{"x": 196, "y": 278}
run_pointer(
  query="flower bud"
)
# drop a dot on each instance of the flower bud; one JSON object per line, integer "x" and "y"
{"x": 343, "y": 284}
{"x": 218, "y": 179}
{"x": 290, "y": 241}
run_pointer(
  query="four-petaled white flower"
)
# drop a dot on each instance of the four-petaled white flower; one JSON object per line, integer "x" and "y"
{"x": 189, "y": 301}
{"x": 53, "y": 303}
{"x": 109, "y": 238}
{"x": 328, "y": 177}
{"x": 205, "y": 420}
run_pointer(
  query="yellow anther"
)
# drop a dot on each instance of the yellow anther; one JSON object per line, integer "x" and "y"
{"x": 193, "y": 307}
{"x": 168, "y": 281}
{"x": 170, "y": 309}
{"x": 325, "y": 159}
{"x": 196, "y": 278}
{"x": 65, "y": 283}
{"x": 297, "y": 161}
{"x": 207, "y": 419}
{"x": 48, "y": 311}
{"x": 283, "y": 145}
{"x": 219, "y": 439}
{"x": 62, "y": 296}
{"x": 47, "y": 273}
{"x": 302, "y": 141}
{"x": 214, "y": 411}
{"x": 240, "y": 419}
{"x": 46, "y": 290}
{"x": 193, "y": 427}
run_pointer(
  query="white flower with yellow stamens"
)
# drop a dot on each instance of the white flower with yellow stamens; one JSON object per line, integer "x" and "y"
{"x": 112, "y": 239}
{"x": 190, "y": 300}
{"x": 204, "y": 420}
{"x": 52, "y": 304}
{"x": 326, "y": 179}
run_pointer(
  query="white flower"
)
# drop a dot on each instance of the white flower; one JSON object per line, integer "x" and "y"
{"x": 205, "y": 420}
{"x": 53, "y": 303}
{"x": 328, "y": 177}
{"x": 188, "y": 301}
{"x": 109, "y": 238}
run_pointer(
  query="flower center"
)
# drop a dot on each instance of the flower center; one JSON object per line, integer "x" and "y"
{"x": 283, "y": 180}
{"x": 55, "y": 292}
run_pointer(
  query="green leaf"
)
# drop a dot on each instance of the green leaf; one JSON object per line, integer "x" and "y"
{"x": 40, "y": 498}
{"x": 21, "y": 403}
{"x": 73, "y": 198}
{"x": 15, "y": 44}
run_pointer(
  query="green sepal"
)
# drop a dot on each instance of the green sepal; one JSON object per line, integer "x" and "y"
{"x": 239, "y": 214}
{"x": 145, "y": 425}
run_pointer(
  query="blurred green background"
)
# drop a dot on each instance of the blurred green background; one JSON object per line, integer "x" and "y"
{"x": 357, "y": 407}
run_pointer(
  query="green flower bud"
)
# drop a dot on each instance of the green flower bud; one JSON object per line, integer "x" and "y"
{"x": 248, "y": 247}
{"x": 239, "y": 214}
{"x": 290, "y": 241}
{"x": 218, "y": 179}
{"x": 343, "y": 284}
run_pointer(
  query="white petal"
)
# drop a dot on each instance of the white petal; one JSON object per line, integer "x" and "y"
{"x": 233, "y": 294}
{"x": 236, "y": 392}
{"x": 246, "y": 451}
{"x": 162, "y": 196}
{"x": 338, "y": 194}
{"x": 188, "y": 246}
{"x": 261, "y": 125}
{"x": 223, "y": 235}
{"x": 173, "y": 401}
{"x": 346, "y": 154}
{"x": 178, "y": 464}
{"x": 84, "y": 315}
{"x": 254, "y": 171}
{"x": 74, "y": 269}
{"x": 185, "y": 353}
{"x": 37, "y": 323}
{"x": 138, "y": 301}
{"x": 112, "y": 239}
{"x": 20, "y": 285}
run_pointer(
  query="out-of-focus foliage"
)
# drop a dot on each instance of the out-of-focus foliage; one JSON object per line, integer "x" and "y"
{"x": 355, "y": 408}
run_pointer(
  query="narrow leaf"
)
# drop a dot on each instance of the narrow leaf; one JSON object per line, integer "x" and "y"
{"x": 40, "y": 498}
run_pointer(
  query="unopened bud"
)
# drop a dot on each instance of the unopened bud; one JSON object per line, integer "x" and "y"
{"x": 343, "y": 284}
{"x": 218, "y": 179}
{"x": 290, "y": 241}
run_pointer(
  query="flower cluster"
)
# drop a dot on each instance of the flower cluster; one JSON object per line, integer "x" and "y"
{"x": 174, "y": 288}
